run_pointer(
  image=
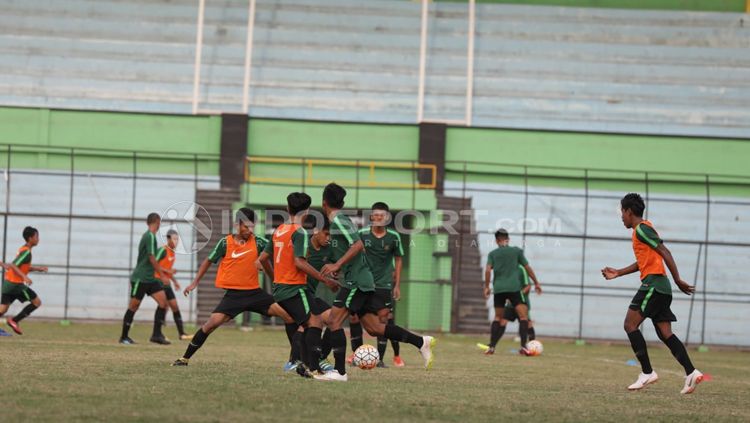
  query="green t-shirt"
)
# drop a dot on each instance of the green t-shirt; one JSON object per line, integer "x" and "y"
{"x": 380, "y": 255}
{"x": 356, "y": 273}
{"x": 504, "y": 262}
{"x": 318, "y": 259}
{"x": 144, "y": 271}
{"x": 648, "y": 235}
{"x": 524, "y": 280}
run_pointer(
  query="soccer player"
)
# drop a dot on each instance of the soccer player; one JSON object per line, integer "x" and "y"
{"x": 504, "y": 262}
{"x": 16, "y": 283}
{"x": 238, "y": 275}
{"x": 357, "y": 293}
{"x": 509, "y": 312}
{"x": 654, "y": 296}
{"x": 291, "y": 270}
{"x": 144, "y": 282}
{"x": 166, "y": 257}
{"x": 384, "y": 253}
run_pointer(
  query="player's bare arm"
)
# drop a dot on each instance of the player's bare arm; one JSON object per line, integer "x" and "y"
{"x": 201, "y": 272}
{"x": 352, "y": 252}
{"x": 487, "y": 279}
{"x": 610, "y": 273}
{"x": 672, "y": 266}
{"x": 532, "y": 275}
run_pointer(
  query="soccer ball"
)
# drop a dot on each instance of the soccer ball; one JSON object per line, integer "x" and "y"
{"x": 535, "y": 347}
{"x": 366, "y": 357}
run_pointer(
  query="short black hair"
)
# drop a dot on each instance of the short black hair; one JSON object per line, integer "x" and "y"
{"x": 501, "y": 234}
{"x": 297, "y": 202}
{"x": 171, "y": 232}
{"x": 634, "y": 203}
{"x": 381, "y": 206}
{"x": 244, "y": 214}
{"x": 29, "y": 232}
{"x": 334, "y": 195}
{"x": 152, "y": 217}
{"x": 326, "y": 224}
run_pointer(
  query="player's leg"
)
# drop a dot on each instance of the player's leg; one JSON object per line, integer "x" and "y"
{"x": 375, "y": 327}
{"x": 497, "y": 329}
{"x": 3, "y": 310}
{"x": 532, "y": 332}
{"x": 172, "y": 303}
{"x": 336, "y": 318}
{"x": 663, "y": 327}
{"x": 355, "y": 332}
{"x": 214, "y": 321}
{"x": 397, "y": 361}
{"x": 523, "y": 323}
{"x": 633, "y": 319}
{"x": 34, "y": 303}
{"x": 137, "y": 292}
{"x": 382, "y": 340}
{"x": 157, "y": 293}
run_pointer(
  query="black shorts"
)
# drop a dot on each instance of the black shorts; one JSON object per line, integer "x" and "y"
{"x": 16, "y": 291}
{"x": 358, "y": 302}
{"x": 319, "y": 306}
{"x": 385, "y": 295}
{"x": 169, "y": 293}
{"x": 235, "y": 301}
{"x": 513, "y": 297}
{"x": 509, "y": 312}
{"x": 299, "y": 306}
{"x": 139, "y": 289}
{"x": 653, "y": 305}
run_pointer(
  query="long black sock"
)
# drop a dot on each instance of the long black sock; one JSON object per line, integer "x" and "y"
{"x": 641, "y": 352}
{"x": 395, "y": 344}
{"x": 355, "y": 332}
{"x": 303, "y": 351}
{"x": 325, "y": 344}
{"x": 400, "y": 334}
{"x": 680, "y": 353}
{"x": 382, "y": 346}
{"x": 532, "y": 334}
{"x": 159, "y": 316}
{"x": 312, "y": 338}
{"x": 496, "y": 332}
{"x": 338, "y": 342}
{"x": 178, "y": 322}
{"x": 127, "y": 321}
{"x": 294, "y": 341}
{"x": 198, "y": 339}
{"x": 25, "y": 312}
{"x": 523, "y": 331}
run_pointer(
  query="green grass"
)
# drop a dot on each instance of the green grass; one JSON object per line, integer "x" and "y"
{"x": 79, "y": 373}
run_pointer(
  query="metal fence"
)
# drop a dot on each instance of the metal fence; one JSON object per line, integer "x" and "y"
{"x": 704, "y": 219}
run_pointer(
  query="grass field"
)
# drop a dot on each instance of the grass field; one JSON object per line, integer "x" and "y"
{"x": 79, "y": 373}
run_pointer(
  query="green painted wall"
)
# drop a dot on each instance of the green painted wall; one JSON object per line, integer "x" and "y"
{"x": 704, "y": 5}
{"x": 656, "y": 155}
{"x": 164, "y": 143}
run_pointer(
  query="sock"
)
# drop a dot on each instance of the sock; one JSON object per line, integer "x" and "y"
{"x": 523, "y": 331}
{"x": 303, "y": 350}
{"x": 178, "y": 322}
{"x": 126, "y": 322}
{"x": 355, "y": 331}
{"x": 382, "y": 346}
{"x": 532, "y": 334}
{"x": 338, "y": 342}
{"x": 25, "y": 312}
{"x": 639, "y": 348}
{"x": 312, "y": 338}
{"x": 680, "y": 353}
{"x": 159, "y": 316}
{"x": 395, "y": 344}
{"x": 325, "y": 344}
{"x": 496, "y": 332}
{"x": 400, "y": 334}
{"x": 198, "y": 339}
{"x": 294, "y": 341}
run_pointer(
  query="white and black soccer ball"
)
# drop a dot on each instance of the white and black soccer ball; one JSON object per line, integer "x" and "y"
{"x": 535, "y": 348}
{"x": 366, "y": 357}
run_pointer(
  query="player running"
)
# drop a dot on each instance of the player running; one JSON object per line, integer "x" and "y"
{"x": 166, "y": 257}
{"x": 146, "y": 280}
{"x": 357, "y": 293}
{"x": 290, "y": 271}
{"x": 16, "y": 283}
{"x": 505, "y": 262}
{"x": 238, "y": 275}
{"x": 384, "y": 253}
{"x": 654, "y": 296}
